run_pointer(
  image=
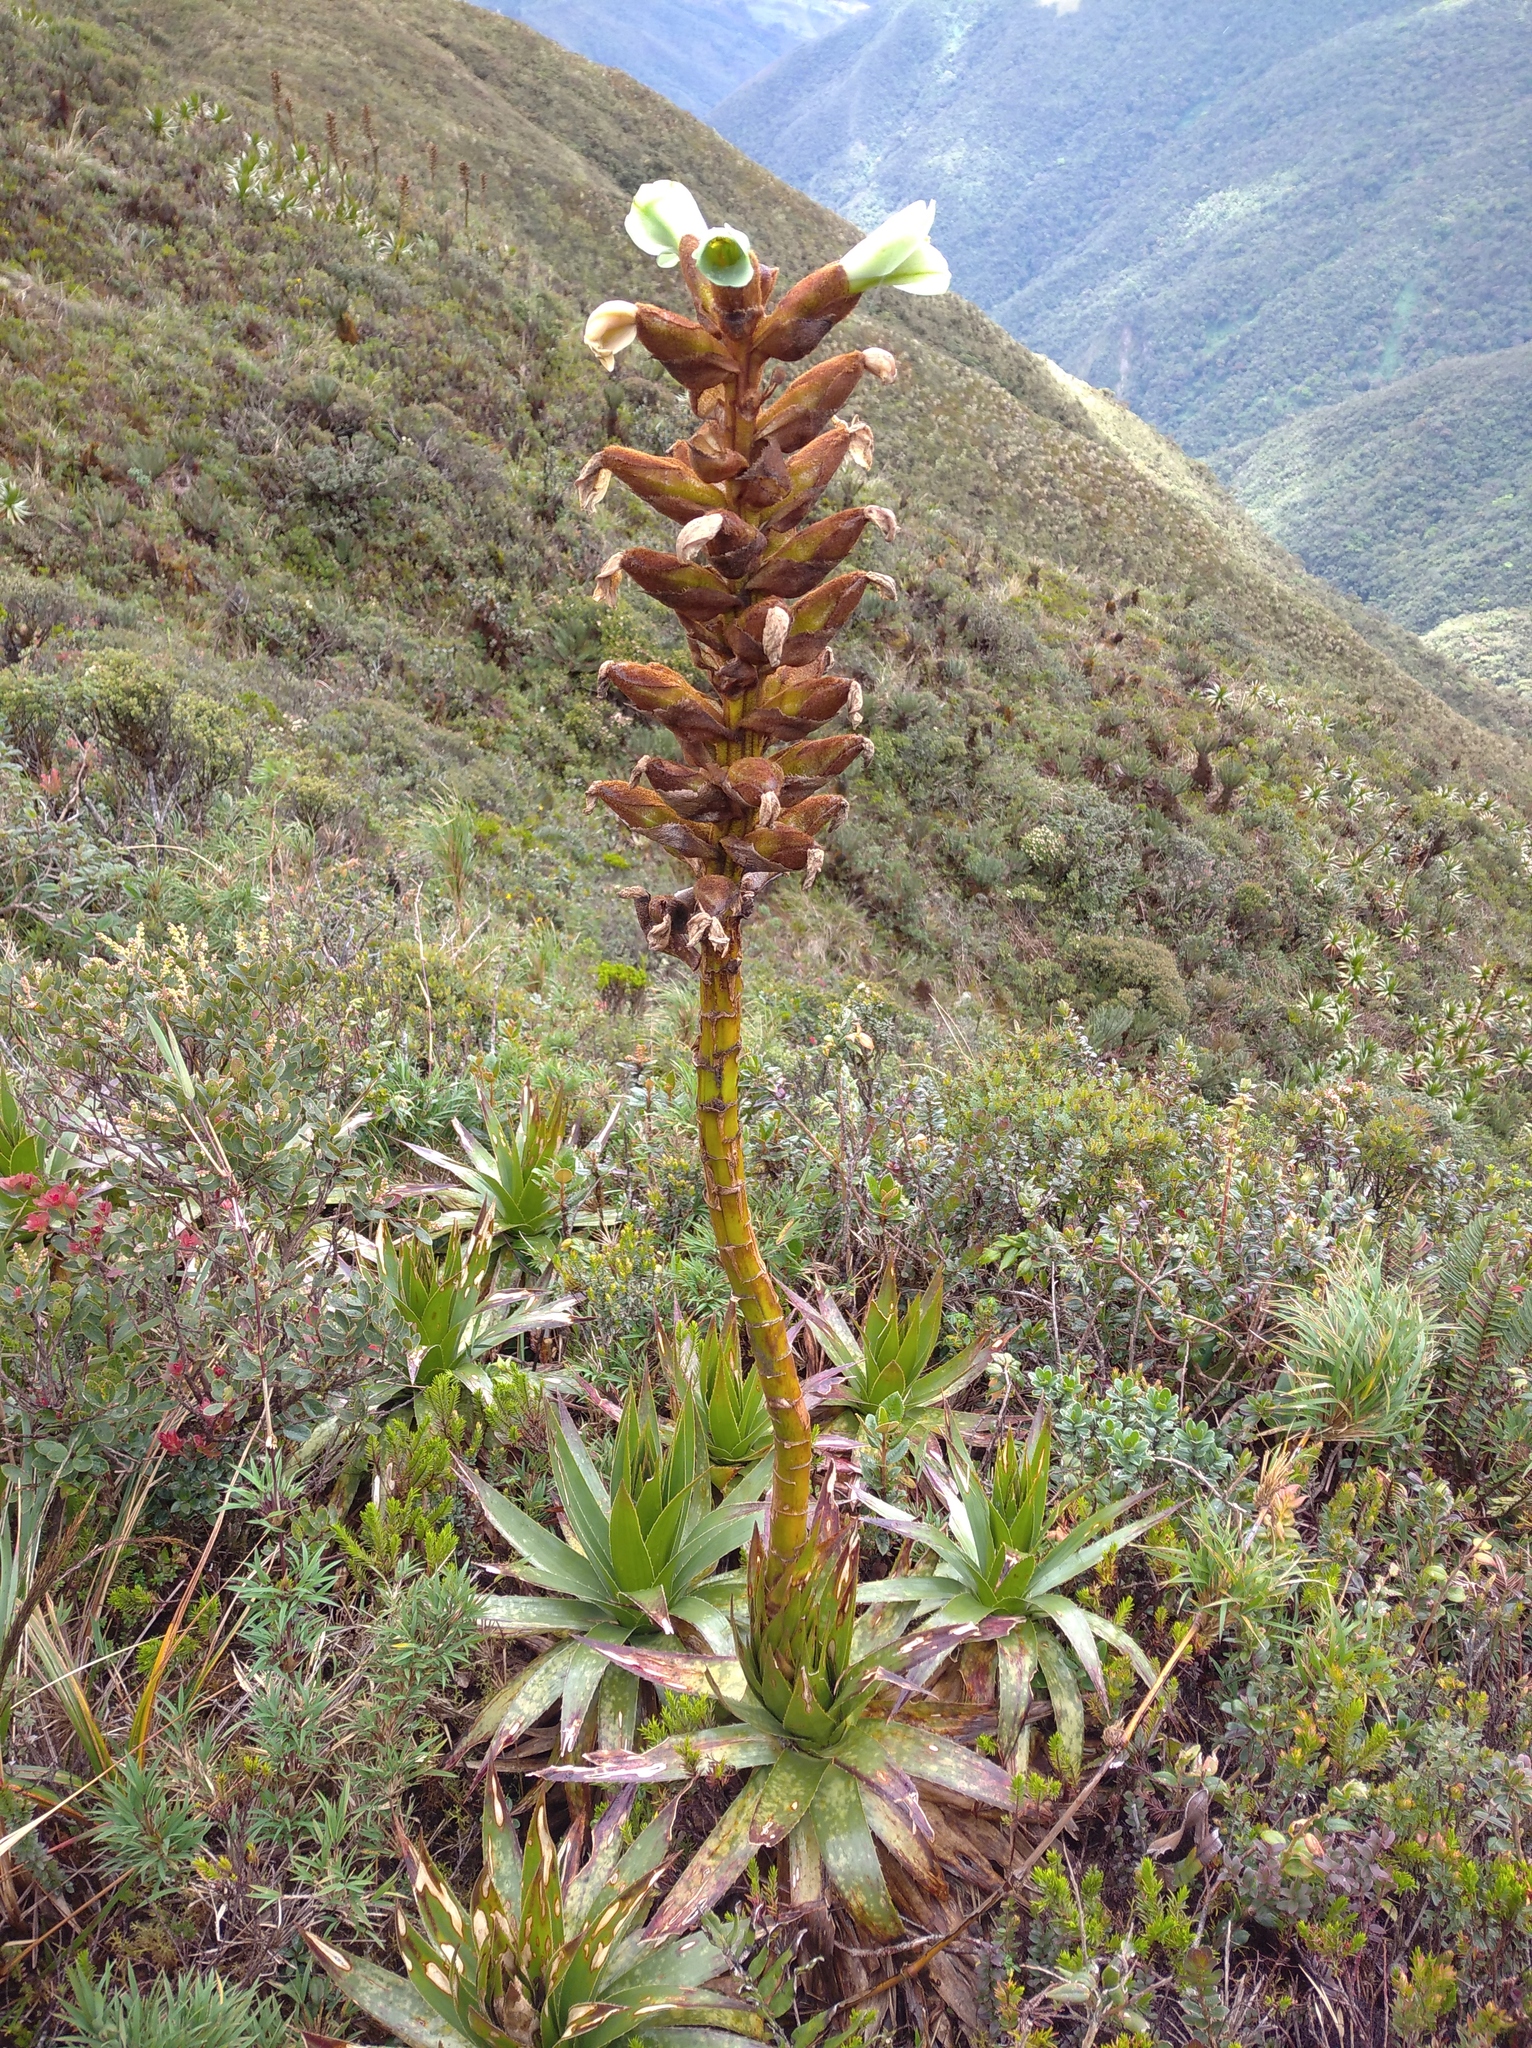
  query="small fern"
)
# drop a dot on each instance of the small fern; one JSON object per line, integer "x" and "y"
{"x": 1485, "y": 1362}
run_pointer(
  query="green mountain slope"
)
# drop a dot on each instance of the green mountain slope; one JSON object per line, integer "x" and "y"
{"x": 1229, "y": 226}
{"x": 1415, "y": 495}
{"x": 324, "y": 481}
{"x": 694, "y": 52}
{"x": 1495, "y": 646}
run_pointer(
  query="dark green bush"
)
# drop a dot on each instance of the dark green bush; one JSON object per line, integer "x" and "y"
{"x": 1107, "y": 966}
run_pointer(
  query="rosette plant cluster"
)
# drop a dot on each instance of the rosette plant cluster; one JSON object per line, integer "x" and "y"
{"x": 831, "y": 1717}
{"x": 547, "y": 1951}
{"x": 759, "y": 584}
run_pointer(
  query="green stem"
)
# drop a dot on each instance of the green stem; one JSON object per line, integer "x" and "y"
{"x": 723, "y": 1166}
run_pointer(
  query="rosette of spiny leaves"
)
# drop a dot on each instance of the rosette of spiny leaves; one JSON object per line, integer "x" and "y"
{"x": 546, "y": 1951}
{"x": 641, "y": 1568}
{"x": 445, "y": 1298}
{"x": 998, "y": 1560}
{"x": 836, "y": 1765}
{"x": 731, "y": 1400}
{"x": 886, "y": 1373}
{"x": 512, "y": 1178}
{"x": 755, "y": 579}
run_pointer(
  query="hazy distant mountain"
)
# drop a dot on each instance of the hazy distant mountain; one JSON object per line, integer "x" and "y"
{"x": 1231, "y": 216}
{"x": 692, "y": 51}
{"x": 1413, "y": 495}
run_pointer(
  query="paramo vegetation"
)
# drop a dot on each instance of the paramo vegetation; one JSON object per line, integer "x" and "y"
{"x": 946, "y": 1456}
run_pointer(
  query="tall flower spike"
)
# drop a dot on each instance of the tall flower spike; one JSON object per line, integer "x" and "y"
{"x": 760, "y": 586}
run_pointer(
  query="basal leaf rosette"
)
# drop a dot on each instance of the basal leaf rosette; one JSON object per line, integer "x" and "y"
{"x": 887, "y": 1368}
{"x": 1000, "y": 1564}
{"x": 842, "y": 1768}
{"x": 547, "y": 1950}
{"x": 640, "y": 1568}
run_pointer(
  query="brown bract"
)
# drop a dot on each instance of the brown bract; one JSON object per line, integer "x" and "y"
{"x": 751, "y": 578}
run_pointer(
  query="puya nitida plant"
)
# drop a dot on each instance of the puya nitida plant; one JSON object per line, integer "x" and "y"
{"x": 641, "y": 1568}
{"x": 758, "y": 586}
{"x": 548, "y": 1949}
{"x": 521, "y": 1183}
{"x": 828, "y": 1719}
{"x": 705, "y": 1361}
{"x": 886, "y": 1371}
{"x": 445, "y": 1299}
{"x": 1000, "y": 1556}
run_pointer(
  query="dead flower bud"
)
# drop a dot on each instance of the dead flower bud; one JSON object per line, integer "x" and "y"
{"x": 695, "y": 535}
{"x": 779, "y": 621}
{"x": 590, "y": 486}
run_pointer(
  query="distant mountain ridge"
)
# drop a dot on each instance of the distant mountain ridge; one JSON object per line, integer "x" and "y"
{"x": 1230, "y": 228}
{"x": 1414, "y": 495}
{"x": 693, "y": 51}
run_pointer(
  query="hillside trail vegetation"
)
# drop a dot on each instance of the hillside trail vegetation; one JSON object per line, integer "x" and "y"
{"x": 1135, "y": 1118}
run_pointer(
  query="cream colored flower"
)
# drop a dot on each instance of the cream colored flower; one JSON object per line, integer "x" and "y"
{"x": 662, "y": 215}
{"x": 900, "y": 253}
{"x": 610, "y": 329}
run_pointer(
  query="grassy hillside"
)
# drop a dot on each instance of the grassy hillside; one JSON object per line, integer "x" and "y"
{"x": 693, "y": 52}
{"x": 1495, "y": 645}
{"x": 1228, "y": 229}
{"x": 412, "y": 535}
{"x": 1414, "y": 495}
{"x": 1168, "y": 986}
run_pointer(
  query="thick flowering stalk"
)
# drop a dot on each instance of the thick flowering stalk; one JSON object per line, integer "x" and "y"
{"x": 758, "y": 585}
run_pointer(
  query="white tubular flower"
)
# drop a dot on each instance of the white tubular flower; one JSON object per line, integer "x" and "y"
{"x": 662, "y": 215}
{"x": 610, "y": 329}
{"x": 925, "y": 272}
{"x": 900, "y": 253}
{"x": 724, "y": 257}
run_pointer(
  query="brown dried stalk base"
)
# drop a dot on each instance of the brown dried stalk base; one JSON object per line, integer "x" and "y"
{"x": 971, "y": 1851}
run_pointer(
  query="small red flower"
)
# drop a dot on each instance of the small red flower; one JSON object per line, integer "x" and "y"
{"x": 20, "y": 1184}
{"x": 171, "y": 1441}
{"x": 54, "y": 1206}
{"x": 220, "y": 1372}
{"x": 177, "y": 1367}
{"x": 187, "y": 1240}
